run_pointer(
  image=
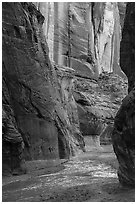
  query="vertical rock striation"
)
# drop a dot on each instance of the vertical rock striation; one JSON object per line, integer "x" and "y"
{"x": 32, "y": 91}
{"x": 123, "y": 136}
{"x": 85, "y": 36}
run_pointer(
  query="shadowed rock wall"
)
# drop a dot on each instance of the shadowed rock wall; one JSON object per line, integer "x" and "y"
{"x": 123, "y": 136}
{"x": 31, "y": 88}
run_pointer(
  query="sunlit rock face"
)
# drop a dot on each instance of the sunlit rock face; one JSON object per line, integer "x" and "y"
{"x": 85, "y": 36}
{"x": 123, "y": 136}
{"x": 33, "y": 91}
{"x": 108, "y": 36}
{"x": 104, "y": 38}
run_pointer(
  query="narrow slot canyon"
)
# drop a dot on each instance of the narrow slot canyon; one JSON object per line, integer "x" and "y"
{"x": 68, "y": 101}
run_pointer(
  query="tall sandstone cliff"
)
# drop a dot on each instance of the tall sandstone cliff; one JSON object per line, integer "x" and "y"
{"x": 123, "y": 136}
{"x": 52, "y": 52}
{"x": 37, "y": 113}
{"x": 85, "y": 36}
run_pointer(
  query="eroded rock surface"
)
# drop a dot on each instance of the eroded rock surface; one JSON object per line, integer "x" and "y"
{"x": 123, "y": 136}
{"x": 98, "y": 103}
{"x": 32, "y": 89}
{"x": 84, "y": 35}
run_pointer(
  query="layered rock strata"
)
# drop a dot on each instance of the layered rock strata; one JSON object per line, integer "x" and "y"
{"x": 98, "y": 103}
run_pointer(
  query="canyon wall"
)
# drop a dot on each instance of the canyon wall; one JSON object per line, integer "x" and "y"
{"x": 85, "y": 36}
{"x": 53, "y": 54}
{"x": 123, "y": 135}
{"x": 37, "y": 113}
